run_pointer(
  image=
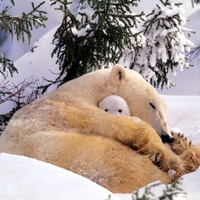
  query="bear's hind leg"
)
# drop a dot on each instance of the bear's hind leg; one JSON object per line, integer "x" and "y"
{"x": 102, "y": 160}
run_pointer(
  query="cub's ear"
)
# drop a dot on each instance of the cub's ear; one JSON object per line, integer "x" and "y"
{"x": 118, "y": 73}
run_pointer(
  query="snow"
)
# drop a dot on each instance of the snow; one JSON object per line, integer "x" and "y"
{"x": 44, "y": 181}
{"x": 31, "y": 179}
{"x": 183, "y": 112}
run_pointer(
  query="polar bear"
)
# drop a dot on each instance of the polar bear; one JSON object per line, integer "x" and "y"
{"x": 115, "y": 105}
{"x": 121, "y": 153}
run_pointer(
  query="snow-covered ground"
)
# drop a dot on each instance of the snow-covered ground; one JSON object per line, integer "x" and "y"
{"x": 24, "y": 178}
{"x": 183, "y": 111}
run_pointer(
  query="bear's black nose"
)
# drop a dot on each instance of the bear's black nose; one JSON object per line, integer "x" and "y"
{"x": 166, "y": 139}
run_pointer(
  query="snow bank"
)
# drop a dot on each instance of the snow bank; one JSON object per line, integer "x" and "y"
{"x": 38, "y": 62}
{"x": 183, "y": 112}
{"x": 25, "y": 178}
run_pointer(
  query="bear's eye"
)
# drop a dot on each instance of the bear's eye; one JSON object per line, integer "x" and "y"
{"x": 152, "y": 105}
{"x": 120, "y": 111}
{"x": 106, "y": 110}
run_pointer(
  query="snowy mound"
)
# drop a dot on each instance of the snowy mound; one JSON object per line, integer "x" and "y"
{"x": 183, "y": 112}
{"x": 25, "y": 178}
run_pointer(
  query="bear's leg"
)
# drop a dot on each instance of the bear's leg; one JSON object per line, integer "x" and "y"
{"x": 130, "y": 131}
{"x": 191, "y": 158}
{"x": 189, "y": 153}
{"x": 180, "y": 143}
{"x": 102, "y": 160}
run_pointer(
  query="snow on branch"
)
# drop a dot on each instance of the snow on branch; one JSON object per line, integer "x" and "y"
{"x": 194, "y": 55}
{"x": 165, "y": 46}
{"x": 96, "y": 34}
{"x": 93, "y": 35}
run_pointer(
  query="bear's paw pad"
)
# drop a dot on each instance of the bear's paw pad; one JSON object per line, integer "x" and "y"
{"x": 191, "y": 158}
{"x": 180, "y": 143}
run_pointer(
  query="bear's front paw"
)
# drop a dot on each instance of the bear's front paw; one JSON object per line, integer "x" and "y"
{"x": 188, "y": 152}
{"x": 180, "y": 143}
{"x": 191, "y": 157}
{"x": 156, "y": 158}
{"x": 170, "y": 163}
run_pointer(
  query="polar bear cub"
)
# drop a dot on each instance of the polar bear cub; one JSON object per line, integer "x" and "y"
{"x": 115, "y": 105}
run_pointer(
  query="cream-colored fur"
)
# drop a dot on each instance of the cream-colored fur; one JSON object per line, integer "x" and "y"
{"x": 66, "y": 128}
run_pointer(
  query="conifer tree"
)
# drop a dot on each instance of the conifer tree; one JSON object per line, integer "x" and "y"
{"x": 195, "y": 2}
{"x": 100, "y": 33}
{"x": 96, "y": 34}
{"x": 165, "y": 46}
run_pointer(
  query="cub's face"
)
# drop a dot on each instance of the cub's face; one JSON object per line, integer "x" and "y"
{"x": 115, "y": 105}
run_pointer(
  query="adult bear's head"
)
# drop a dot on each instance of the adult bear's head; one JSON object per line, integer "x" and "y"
{"x": 143, "y": 100}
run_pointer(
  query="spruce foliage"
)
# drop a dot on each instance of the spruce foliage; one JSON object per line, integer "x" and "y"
{"x": 196, "y": 1}
{"x": 95, "y": 35}
{"x": 165, "y": 46}
{"x": 169, "y": 192}
{"x": 98, "y": 34}
{"x": 194, "y": 55}
{"x": 19, "y": 27}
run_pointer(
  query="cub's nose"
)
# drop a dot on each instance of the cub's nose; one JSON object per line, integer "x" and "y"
{"x": 166, "y": 138}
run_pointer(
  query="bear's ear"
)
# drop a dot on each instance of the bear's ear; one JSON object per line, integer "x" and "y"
{"x": 118, "y": 73}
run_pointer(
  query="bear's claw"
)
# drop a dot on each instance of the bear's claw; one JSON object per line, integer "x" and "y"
{"x": 180, "y": 143}
{"x": 188, "y": 153}
{"x": 184, "y": 157}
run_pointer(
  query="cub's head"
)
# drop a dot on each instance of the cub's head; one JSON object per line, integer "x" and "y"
{"x": 141, "y": 98}
{"x": 115, "y": 105}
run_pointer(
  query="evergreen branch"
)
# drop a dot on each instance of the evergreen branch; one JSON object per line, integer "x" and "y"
{"x": 62, "y": 4}
{"x": 196, "y": 1}
{"x": 169, "y": 192}
{"x": 13, "y": 2}
{"x": 6, "y": 66}
{"x": 194, "y": 55}
{"x": 21, "y": 26}
{"x": 103, "y": 42}
{"x": 165, "y": 45}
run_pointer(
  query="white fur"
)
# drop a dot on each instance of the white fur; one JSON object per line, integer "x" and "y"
{"x": 115, "y": 105}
